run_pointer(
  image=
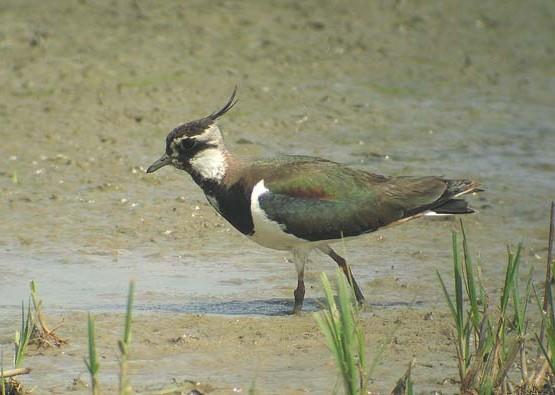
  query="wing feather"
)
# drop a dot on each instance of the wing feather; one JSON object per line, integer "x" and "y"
{"x": 316, "y": 199}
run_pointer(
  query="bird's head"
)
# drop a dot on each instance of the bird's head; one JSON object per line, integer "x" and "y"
{"x": 197, "y": 146}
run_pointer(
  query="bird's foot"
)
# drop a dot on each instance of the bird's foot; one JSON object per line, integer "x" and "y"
{"x": 297, "y": 310}
{"x": 362, "y": 305}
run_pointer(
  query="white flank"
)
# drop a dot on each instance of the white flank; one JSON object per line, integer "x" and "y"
{"x": 434, "y": 214}
{"x": 210, "y": 163}
{"x": 269, "y": 233}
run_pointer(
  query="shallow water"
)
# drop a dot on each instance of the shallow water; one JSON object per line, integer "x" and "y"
{"x": 91, "y": 88}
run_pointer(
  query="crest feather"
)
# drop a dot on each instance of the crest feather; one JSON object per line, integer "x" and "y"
{"x": 228, "y": 106}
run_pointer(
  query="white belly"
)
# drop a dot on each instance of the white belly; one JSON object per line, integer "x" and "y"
{"x": 269, "y": 233}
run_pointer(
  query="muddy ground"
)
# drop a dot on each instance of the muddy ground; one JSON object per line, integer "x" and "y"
{"x": 89, "y": 89}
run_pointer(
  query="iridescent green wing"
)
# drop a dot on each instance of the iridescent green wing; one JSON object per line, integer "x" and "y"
{"x": 315, "y": 199}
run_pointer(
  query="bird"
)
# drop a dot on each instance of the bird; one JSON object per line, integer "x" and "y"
{"x": 301, "y": 203}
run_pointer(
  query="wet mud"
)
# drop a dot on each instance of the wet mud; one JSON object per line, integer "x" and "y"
{"x": 91, "y": 88}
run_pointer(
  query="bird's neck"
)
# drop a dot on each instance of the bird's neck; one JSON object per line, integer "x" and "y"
{"x": 210, "y": 167}
{"x": 210, "y": 164}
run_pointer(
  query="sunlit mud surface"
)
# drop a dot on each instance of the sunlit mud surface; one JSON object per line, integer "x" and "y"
{"x": 89, "y": 91}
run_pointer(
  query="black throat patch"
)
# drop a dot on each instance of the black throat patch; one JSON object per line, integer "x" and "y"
{"x": 233, "y": 202}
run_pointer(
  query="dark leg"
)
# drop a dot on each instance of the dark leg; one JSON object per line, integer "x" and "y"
{"x": 300, "y": 258}
{"x": 299, "y": 296}
{"x": 342, "y": 263}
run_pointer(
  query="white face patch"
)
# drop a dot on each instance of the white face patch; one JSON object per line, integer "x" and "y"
{"x": 269, "y": 233}
{"x": 210, "y": 163}
{"x": 211, "y": 135}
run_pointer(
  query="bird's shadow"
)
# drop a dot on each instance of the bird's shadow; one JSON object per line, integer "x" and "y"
{"x": 262, "y": 307}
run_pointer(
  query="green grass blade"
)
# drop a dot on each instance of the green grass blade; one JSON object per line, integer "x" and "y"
{"x": 2, "y": 381}
{"x": 347, "y": 324}
{"x": 362, "y": 365}
{"x": 469, "y": 282}
{"x": 410, "y": 389}
{"x": 510, "y": 278}
{"x": 546, "y": 355}
{"x": 128, "y": 314}
{"x": 343, "y": 335}
{"x": 23, "y": 336}
{"x": 447, "y": 297}
{"x": 521, "y": 305}
{"x": 93, "y": 366}
{"x": 459, "y": 301}
{"x": 550, "y": 308}
{"x": 124, "y": 383}
{"x": 329, "y": 327}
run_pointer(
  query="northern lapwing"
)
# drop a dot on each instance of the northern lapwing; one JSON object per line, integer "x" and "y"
{"x": 301, "y": 203}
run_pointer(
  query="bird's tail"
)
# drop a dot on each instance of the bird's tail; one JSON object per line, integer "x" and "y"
{"x": 456, "y": 188}
{"x": 454, "y": 206}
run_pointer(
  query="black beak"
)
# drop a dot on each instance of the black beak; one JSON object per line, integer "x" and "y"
{"x": 163, "y": 161}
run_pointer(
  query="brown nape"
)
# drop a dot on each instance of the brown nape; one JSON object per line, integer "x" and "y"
{"x": 234, "y": 168}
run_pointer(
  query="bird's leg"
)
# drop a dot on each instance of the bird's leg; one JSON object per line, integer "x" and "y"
{"x": 299, "y": 294}
{"x": 342, "y": 263}
{"x": 300, "y": 258}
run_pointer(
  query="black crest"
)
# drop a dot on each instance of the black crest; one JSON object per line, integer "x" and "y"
{"x": 228, "y": 106}
{"x": 194, "y": 128}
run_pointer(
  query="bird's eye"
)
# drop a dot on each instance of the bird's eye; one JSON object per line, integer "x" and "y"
{"x": 188, "y": 143}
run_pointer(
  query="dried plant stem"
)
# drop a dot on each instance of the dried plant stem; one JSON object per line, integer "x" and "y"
{"x": 548, "y": 273}
{"x": 524, "y": 365}
{"x": 15, "y": 372}
{"x": 547, "y": 297}
{"x": 43, "y": 335}
{"x": 540, "y": 377}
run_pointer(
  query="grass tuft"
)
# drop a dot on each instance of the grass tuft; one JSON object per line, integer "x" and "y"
{"x": 344, "y": 335}
{"x": 490, "y": 342}
{"x": 22, "y": 337}
{"x": 42, "y": 335}
{"x": 486, "y": 347}
{"x": 92, "y": 363}
{"x": 547, "y": 345}
{"x": 8, "y": 382}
